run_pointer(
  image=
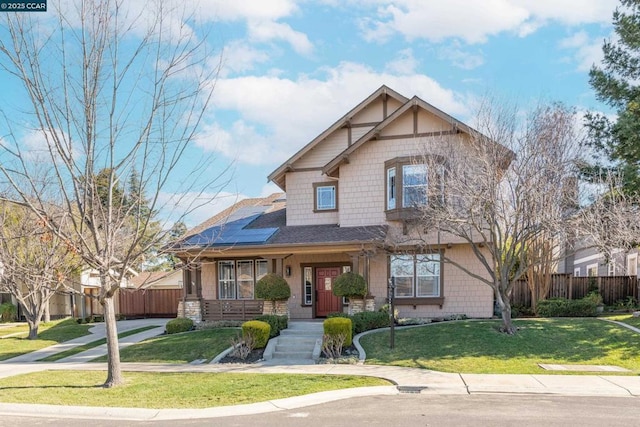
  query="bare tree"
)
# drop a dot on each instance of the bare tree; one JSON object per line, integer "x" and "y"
{"x": 503, "y": 191}
{"x": 111, "y": 93}
{"x": 36, "y": 264}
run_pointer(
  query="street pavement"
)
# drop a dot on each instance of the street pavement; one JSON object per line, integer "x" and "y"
{"x": 404, "y": 380}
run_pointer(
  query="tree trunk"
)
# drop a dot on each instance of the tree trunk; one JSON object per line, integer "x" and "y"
{"x": 505, "y": 309}
{"x": 47, "y": 311}
{"x": 33, "y": 327}
{"x": 114, "y": 371}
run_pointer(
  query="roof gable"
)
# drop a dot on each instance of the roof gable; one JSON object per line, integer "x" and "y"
{"x": 277, "y": 176}
{"x": 414, "y": 103}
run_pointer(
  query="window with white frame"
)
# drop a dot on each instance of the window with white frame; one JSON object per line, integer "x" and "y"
{"x": 592, "y": 270}
{"x": 611, "y": 268}
{"x": 632, "y": 265}
{"x": 391, "y": 188}
{"x": 325, "y": 196}
{"x": 576, "y": 272}
{"x": 414, "y": 186}
{"x": 237, "y": 278}
{"x": 307, "y": 288}
{"x": 416, "y": 275}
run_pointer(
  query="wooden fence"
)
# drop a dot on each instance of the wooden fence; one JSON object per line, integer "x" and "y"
{"x": 231, "y": 309}
{"x": 137, "y": 302}
{"x": 612, "y": 288}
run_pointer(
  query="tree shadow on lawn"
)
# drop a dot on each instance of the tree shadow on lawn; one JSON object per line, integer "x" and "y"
{"x": 563, "y": 340}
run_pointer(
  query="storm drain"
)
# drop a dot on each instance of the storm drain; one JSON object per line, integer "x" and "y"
{"x": 410, "y": 389}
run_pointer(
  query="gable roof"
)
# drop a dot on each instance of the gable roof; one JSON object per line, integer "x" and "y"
{"x": 277, "y": 176}
{"x": 456, "y": 126}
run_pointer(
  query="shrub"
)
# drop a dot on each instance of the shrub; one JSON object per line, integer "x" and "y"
{"x": 257, "y": 331}
{"x": 332, "y": 345}
{"x": 8, "y": 312}
{"x": 336, "y": 326}
{"x": 180, "y": 324}
{"x": 368, "y": 320}
{"x": 277, "y": 323}
{"x": 273, "y": 287}
{"x": 242, "y": 346}
{"x": 350, "y": 285}
{"x": 562, "y": 307}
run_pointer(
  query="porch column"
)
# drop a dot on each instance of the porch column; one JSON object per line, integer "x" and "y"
{"x": 355, "y": 262}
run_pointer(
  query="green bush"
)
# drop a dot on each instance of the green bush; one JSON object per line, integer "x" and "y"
{"x": 180, "y": 324}
{"x": 8, "y": 312}
{"x": 273, "y": 287}
{"x": 350, "y": 285}
{"x": 277, "y": 323}
{"x": 339, "y": 325}
{"x": 368, "y": 320}
{"x": 562, "y": 307}
{"x": 259, "y": 330}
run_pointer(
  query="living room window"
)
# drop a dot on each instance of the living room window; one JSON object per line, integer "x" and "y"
{"x": 237, "y": 278}
{"x": 325, "y": 196}
{"x": 416, "y": 275}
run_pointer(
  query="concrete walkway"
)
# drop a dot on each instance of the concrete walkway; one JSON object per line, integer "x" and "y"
{"x": 96, "y": 332}
{"x": 405, "y": 380}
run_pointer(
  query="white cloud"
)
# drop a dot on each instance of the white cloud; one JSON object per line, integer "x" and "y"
{"x": 587, "y": 51}
{"x": 475, "y": 21}
{"x": 239, "y": 57}
{"x": 265, "y": 31}
{"x": 279, "y": 115}
{"x": 405, "y": 63}
{"x": 225, "y": 10}
{"x": 460, "y": 57}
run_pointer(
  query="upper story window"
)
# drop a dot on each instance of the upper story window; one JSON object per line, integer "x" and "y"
{"x": 408, "y": 188}
{"x": 325, "y": 195}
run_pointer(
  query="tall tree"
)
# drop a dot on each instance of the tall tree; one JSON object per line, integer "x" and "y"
{"x": 504, "y": 189}
{"x": 111, "y": 88}
{"x": 616, "y": 82}
{"x": 36, "y": 262}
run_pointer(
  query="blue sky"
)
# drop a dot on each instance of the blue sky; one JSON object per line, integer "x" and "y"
{"x": 293, "y": 67}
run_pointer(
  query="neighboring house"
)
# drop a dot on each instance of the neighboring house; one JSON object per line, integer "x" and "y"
{"x": 591, "y": 262}
{"x": 157, "y": 280}
{"x": 349, "y": 193}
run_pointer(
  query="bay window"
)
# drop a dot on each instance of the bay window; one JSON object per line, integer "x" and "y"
{"x": 407, "y": 187}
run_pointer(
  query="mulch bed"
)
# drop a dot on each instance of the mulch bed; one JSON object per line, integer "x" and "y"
{"x": 254, "y": 356}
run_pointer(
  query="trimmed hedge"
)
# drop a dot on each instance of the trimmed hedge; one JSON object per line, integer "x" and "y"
{"x": 180, "y": 324}
{"x": 339, "y": 325}
{"x": 350, "y": 285}
{"x": 562, "y": 307}
{"x": 259, "y": 330}
{"x": 365, "y": 321}
{"x": 273, "y": 287}
{"x": 277, "y": 323}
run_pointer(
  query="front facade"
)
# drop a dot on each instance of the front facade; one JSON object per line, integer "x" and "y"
{"x": 350, "y": 205}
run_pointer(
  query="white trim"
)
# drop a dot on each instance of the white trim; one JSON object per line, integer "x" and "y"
{"x": 591, "y": 266}
{"x": 632, "y": 258}
{"x": 587, "y": 258}
{"x": 576, "y": 272}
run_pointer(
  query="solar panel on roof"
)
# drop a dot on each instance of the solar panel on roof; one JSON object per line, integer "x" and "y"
{"x": 232, "y": 233}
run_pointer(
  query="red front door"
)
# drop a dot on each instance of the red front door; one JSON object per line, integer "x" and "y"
{"x": 326, "y": 301}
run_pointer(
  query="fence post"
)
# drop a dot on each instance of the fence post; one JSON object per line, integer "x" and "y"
{"x": 570, "y": 286}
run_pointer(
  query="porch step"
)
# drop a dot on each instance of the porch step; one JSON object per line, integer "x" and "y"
{"x": 299, "y": 343}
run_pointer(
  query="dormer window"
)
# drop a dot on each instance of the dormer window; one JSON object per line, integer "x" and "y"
{"x": 325, "y": 196}
{"x": 407, "y": 187}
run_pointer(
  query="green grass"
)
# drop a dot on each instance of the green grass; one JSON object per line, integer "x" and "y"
{"x": 179, "y": 348}
{"x": 168, "y": 390}
{"x": 478, "y": 347}
{"x": 91, "y": 345}
{"x": 624, "y": 318}
{"x": 48, "y": 334}
{"x": 22, "y": 329}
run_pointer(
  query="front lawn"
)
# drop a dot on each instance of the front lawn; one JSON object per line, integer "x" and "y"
{"x": 624, "y": 318}
{"x": 179, "y": 348}
{"x": 478, "y": 347}
{"x": 49, "y": 334}
{"x": 168, "y": 390}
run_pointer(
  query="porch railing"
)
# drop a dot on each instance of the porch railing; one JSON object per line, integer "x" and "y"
{"x": 231, "y": 309}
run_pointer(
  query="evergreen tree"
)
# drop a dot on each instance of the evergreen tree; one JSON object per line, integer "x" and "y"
{"x": 617, "y": 83}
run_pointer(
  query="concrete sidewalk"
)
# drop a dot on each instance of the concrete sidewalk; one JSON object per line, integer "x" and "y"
{"x": 405, "y": 380}
{"x": 96, "y": 332}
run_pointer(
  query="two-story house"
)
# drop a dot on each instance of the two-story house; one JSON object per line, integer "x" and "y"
{"x": 348, "y": 193}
